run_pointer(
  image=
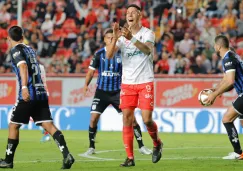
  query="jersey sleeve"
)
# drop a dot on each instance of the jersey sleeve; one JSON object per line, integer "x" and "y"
{"x": 94, "y": 63}
{"x": 229, "y": 64}
{"x": 149, "y": 37}
{"x": 17, "y": 56}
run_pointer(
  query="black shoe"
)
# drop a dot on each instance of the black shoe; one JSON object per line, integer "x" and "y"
{"x": 157, "y": 153}
{"x": 68, "y": 161}
{"x": 128, "y": 163}
{"x": 4, "y": 164}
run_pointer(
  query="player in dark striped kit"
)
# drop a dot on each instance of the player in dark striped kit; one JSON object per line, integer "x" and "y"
{"x": 233, "y": 78}
{"x": 32, "y": 100}
{"x": 107, "y": 92}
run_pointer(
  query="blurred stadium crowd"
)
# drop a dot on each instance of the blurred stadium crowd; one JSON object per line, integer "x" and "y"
{"x": 66, "y": 33}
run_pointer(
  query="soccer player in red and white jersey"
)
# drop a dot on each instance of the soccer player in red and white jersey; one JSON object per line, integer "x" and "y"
{"x": 137, "y": 90}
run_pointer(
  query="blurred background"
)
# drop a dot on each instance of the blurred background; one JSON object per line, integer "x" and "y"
{"x": 66, "y": 34}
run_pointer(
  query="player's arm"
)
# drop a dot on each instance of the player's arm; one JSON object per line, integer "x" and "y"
{"x": 94, "y": 63}
{"x": 147, "y": 47}
{"x": 221, "y": 82}
{"x": 19, "y": 60}
{"x": 111, "y": 49}
{"x": 226, "y": 83}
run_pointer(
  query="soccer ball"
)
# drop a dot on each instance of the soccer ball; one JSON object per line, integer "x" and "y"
{"x": 203, "y": 95}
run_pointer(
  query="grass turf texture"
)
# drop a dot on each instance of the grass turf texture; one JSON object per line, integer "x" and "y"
{"x": 184, "y": 152}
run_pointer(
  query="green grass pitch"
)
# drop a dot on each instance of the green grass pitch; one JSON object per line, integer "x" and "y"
{"x": 182, "y": 152}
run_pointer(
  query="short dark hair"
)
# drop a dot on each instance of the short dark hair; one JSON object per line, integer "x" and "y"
{"x": 108, "y": 31}
{"x": 15, "y": 33}
{"x": 135, "y": 6}
{"x": 222, "y": 40}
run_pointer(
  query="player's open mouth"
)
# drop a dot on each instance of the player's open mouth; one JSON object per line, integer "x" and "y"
{"x": 130, "y": 21}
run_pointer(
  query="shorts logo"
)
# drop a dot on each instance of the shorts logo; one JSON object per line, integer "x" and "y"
{"x": 148, "y": 88}
{"x": 93, "y": 107}
{"x": 148, "y": 96}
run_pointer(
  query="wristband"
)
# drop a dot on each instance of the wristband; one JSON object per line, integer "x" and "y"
{"x": 23, "y": 87}
{"x": 134, "y": 40}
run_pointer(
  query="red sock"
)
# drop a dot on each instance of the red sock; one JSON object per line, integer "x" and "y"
{"x": 45, "y": 133}
{"x": 153, "y": 132}
{"x": 128, "y": 140}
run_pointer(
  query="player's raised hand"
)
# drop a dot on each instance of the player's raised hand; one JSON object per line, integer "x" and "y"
{"x": 126, "y": 33}
{"x": 116, "y": 30}
{"x": 26, "y": 94}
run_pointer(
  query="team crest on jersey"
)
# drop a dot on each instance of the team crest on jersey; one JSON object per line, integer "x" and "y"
{"x": 118, "y": 60}
{"x": 16, "y": 54}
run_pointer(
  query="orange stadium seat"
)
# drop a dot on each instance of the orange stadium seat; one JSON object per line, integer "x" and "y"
{"x": 59, "y": 33}
{"x": 239, "y": 51}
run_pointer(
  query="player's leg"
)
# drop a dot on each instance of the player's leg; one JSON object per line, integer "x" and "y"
{"x": 228, "y": 120}
{"x": 19, "y": 116}
{"x": 43, "y": 118}
{"x": 98, "y": 106}
{"x": 115, "y": 101}
{"x": 138, "y": 135}
{"x": 146, "y": 104}
{"x": 128, "y": 102}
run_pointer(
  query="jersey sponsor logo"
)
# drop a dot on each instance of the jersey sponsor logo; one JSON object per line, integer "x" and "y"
{"x": 136, "y": 52}
{"x": 228, "y": 64}
{"x": 16, "y": 54}
{"x": 110, "y": 74}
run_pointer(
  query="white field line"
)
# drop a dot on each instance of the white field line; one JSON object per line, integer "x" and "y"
{"x": 105, "y": 160}
{"x": 92, "y": 158}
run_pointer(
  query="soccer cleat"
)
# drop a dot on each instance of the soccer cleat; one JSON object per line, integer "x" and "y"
{"x": 68, "y": 161}
{"x": 128, "y": 163}
{"x": 90, "y": 151}
{"x": 240, "y": 157}
{"x": 45, "y": 138}
{"x": 145, "y": 150}
{"x": 232, "y": 156}
{"x": 4, "y": 164}
{"x": 157, "y": 153}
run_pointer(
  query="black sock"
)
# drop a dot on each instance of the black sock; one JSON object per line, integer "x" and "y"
{"x": 61, "y": 143}
{"x": 233, "y": 137}
{"x": 92, "y": 135}
{"x": 138, "y": 135}
{"x": 10, "y": 150}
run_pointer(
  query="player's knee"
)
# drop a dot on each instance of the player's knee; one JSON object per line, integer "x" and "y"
{"x": 226, "y": 119}
{"x": 48, "y": 125}
{"x": 128, "y": 119}
{"x": 148, "y": 122}
{"x": 13, "y": 126}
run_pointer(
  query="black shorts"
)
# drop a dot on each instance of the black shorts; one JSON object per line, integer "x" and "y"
{"x": 238, "y": 105}
{"x": 38, "y": 110}
{"x": 103, "y": 99}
